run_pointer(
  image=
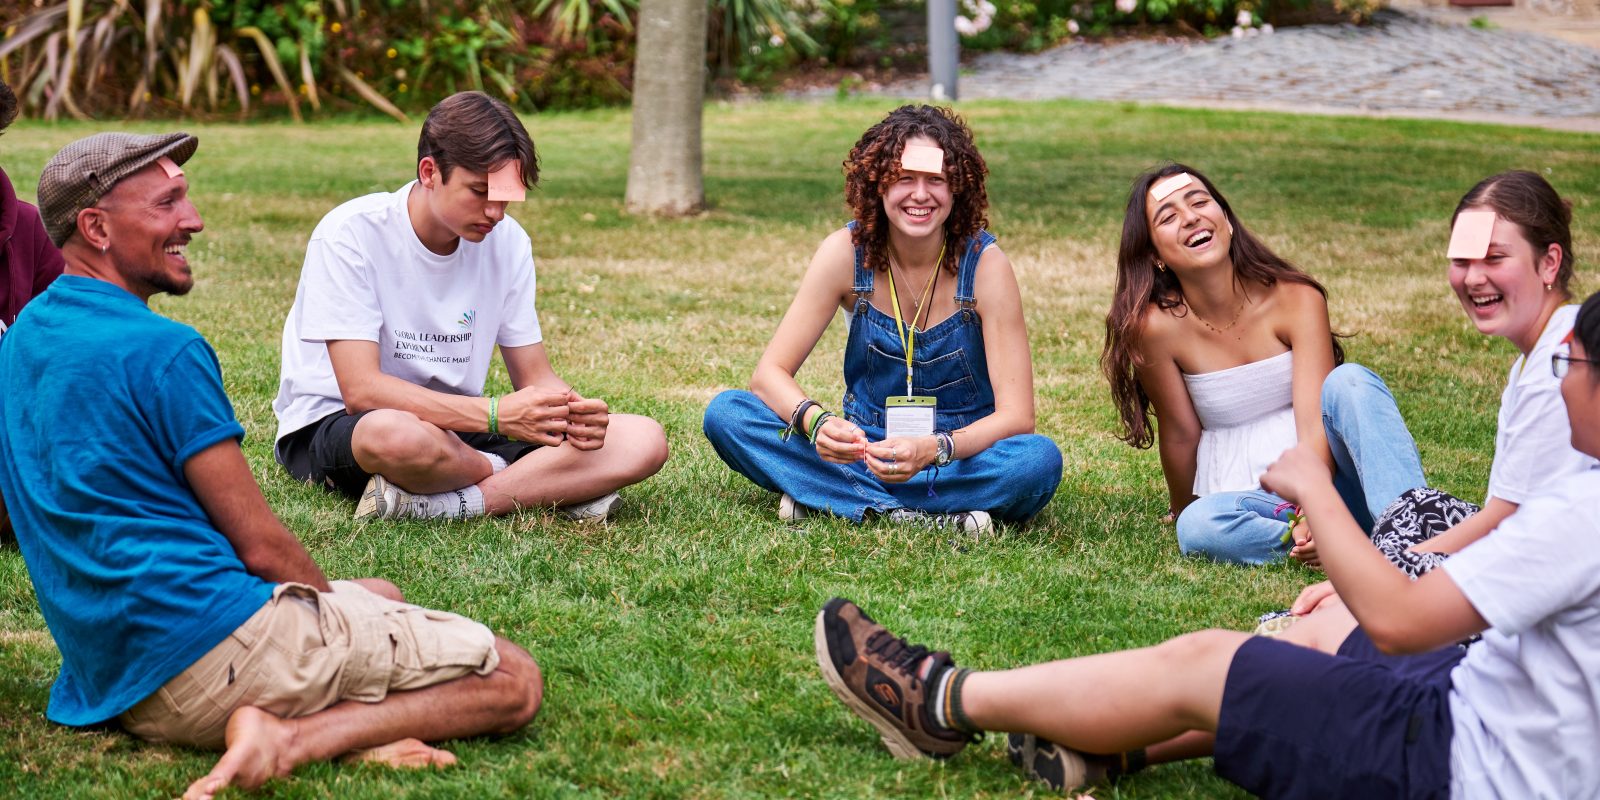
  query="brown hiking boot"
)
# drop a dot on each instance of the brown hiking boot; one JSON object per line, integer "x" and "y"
{"x": 876, "y": 674}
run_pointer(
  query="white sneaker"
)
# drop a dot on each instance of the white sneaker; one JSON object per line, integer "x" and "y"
{"x": 790, "y": 511}
{"x": 976, "y": 524}
{"x": 600, "y": 509}
{"x": 382, "y": 500}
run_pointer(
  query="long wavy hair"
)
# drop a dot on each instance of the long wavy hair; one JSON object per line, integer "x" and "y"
{"x": 1529, "y": 200}
{"x": 1142, "y": 287}
{"x": 874, "y": 165}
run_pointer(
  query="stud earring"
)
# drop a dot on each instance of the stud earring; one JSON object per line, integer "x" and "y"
{"x": 1548, "y": 286}
{"x": 1161, "y": 266}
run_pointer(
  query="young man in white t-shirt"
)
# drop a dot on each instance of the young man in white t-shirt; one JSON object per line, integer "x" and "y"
{"x": 402, "y": 299}
{"x": 1400, "y": 711}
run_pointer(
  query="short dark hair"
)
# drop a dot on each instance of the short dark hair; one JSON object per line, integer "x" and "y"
{"x": 1587, "y": 328}
{"x": 1529, "y": 200}
{"x": 475, "y": 131}
{"x": 8, "y": 106}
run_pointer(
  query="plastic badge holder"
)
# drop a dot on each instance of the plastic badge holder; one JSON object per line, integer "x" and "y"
{"x": 909, "y": 416}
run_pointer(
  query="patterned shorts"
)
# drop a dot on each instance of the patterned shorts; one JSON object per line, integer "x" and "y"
{"x": 1415, "y": 517}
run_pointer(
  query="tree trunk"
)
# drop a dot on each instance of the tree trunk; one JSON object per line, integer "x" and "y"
{"x": 668, "y": 91}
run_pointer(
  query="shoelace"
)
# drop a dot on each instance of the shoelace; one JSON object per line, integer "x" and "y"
{"x": 898, "y": 654}
{"x": 934, "y": 521}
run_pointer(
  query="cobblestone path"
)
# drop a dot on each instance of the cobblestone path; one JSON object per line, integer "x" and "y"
{"x": 1398, "y": 64}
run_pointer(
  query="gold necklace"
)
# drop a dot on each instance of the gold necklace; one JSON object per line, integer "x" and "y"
{"x": 1215, "y": 329}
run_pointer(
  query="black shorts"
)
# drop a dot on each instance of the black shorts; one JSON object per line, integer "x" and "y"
{"x": 1298, "y": 723}
{"x": 320, "y": 453}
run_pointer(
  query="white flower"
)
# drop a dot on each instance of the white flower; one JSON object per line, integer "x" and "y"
{"x": 1266, "y": 27}
{"x": 965, "y": 27}
{"x": 987, "y": 8}
{"x": 1245, "y": 19}
{"x": 776, "y": 40}
{"x": 1072, "y": 26}
{"x": 1237, "y": 32}
{"x": 1127, "y": 6}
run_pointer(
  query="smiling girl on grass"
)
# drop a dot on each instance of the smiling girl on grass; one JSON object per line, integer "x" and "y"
{"x": 1230, "y": 347}
{"x": 1514, "y": 284}
{"x": 915, "y": 272}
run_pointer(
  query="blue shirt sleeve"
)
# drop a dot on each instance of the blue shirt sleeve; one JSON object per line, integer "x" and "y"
{"x": 189, "y": 411}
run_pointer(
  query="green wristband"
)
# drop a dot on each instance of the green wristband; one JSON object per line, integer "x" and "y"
{"x": 494, "y": 414}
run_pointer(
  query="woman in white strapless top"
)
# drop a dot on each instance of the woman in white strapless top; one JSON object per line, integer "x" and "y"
{"x": 1230, "y": 347}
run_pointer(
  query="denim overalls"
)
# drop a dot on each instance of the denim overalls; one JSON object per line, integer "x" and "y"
{"x": 1011, "y": 480}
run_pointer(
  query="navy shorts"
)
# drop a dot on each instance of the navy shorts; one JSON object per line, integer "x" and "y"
{"x": 1299, "y": 723}
{"x": 321, "y": 453}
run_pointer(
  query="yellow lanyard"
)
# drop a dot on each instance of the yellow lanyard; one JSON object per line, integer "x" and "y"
{"x": 909, "y": 342}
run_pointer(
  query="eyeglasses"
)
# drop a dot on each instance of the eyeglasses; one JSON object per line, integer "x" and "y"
{"x": 1561, "y": 364}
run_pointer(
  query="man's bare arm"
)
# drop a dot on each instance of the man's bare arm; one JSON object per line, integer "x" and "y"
{"x": 364, "y": 387}
{"x": 225, "y": 487}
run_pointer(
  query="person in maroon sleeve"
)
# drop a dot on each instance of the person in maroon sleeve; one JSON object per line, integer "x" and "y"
{"x": 28, "y": 260}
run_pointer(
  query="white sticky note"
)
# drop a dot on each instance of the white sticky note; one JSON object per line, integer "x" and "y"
{"x": 921, "y": 158}
{"x": 1172, "y": 184}
{"x": 170, "y": 167}
{"x": 1470, "y": 237}
{"x": 505, "y": 184}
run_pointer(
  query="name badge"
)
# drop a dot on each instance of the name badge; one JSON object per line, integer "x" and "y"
{"x": 909, "y": 416}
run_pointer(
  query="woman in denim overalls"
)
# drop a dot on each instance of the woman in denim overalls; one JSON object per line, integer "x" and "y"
{"x": 917, "y": 238}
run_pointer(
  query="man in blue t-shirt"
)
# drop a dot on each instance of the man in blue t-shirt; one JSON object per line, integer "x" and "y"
{"x": 183, "y": 609}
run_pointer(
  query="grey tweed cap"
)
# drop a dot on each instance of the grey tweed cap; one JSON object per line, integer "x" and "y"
{"x": 84, "y": 171}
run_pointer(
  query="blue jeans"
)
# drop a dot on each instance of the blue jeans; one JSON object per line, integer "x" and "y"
{"x": 1375, "y": 461}
{"x": 1012, "y": 480}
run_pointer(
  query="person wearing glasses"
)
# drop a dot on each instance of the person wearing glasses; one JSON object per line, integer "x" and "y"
{"x": 1398, "y": 710}
{"x": 1511, "y": 265}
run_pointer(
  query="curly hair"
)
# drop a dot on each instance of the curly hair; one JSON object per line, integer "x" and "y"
{"x": 1141, "y": 286}
{"x": 874, "y": 165}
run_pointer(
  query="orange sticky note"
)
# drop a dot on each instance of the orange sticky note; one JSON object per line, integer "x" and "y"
{"x": 170, "y": 167}
{"x": 1470, "y": 237}
{"x": 1166, "y": 187}
{"x": 505, "y": 183}
{"x": 921, "y": 158}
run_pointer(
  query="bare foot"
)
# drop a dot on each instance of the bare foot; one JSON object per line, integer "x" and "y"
{"x": 258, "y": 746}
{"x": 404, "y": 754}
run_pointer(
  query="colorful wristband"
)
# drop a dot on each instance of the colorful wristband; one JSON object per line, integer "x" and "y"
{"x": 816, "y": 426}
{"x": 494, "y": 414}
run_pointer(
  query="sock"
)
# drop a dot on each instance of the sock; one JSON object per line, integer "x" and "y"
{"x": 947, "y": 709}
{"x": 456, "y": 504}
{"x": 496, "y": 463}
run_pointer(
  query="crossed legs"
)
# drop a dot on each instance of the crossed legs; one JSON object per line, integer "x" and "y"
{"x": 422, "y": 458}
{"x": 263, "y": 746}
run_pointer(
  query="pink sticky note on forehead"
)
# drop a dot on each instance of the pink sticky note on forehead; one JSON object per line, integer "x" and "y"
{"x": 1470, "y": 237}
{"x": 1166, "y": 187}
{"x": 170, "y": 167}
{"x": 505, "y": 184}
{"x": 921, "y": 158}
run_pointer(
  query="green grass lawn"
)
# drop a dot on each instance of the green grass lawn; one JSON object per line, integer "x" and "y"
{"x": 676, "y": 643}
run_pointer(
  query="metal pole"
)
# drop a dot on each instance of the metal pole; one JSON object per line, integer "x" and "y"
{"x": 944, "y": 49}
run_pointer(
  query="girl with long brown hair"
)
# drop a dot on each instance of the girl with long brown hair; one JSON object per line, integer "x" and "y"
{"x": 938, "y": 378}
{"x": 1228, "y": 345}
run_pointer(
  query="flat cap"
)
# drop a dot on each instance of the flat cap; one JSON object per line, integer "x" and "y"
{"x": 84, "y": 171}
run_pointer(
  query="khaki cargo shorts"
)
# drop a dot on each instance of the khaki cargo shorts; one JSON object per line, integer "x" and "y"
{"x": 306, "y": 650}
